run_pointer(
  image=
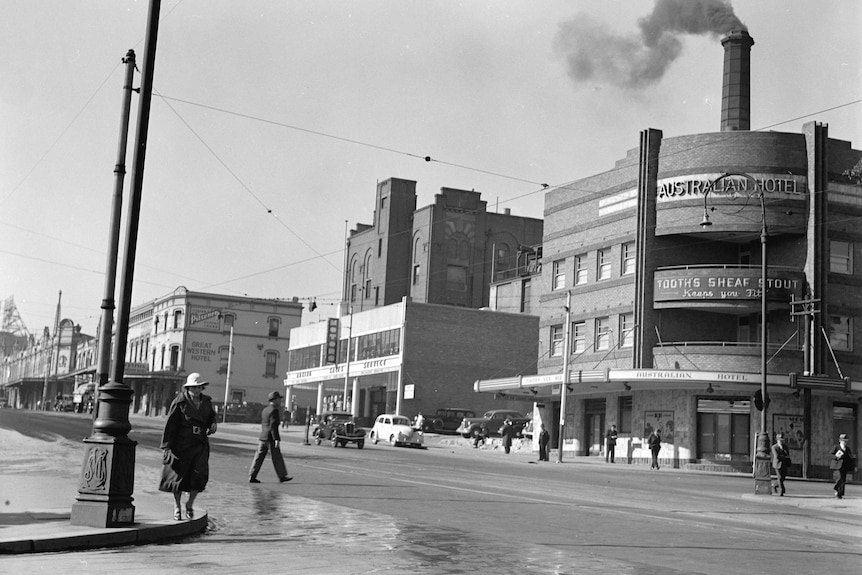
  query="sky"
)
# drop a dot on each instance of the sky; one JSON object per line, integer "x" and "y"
{"x": 272, "y": 122}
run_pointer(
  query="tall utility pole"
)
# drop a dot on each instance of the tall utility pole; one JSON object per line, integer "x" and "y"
{"x": 227, "y": 377}
{"x": 108, "y": 472}
{"x": 106, "y": 325}
{"x": 49, "y": 366}
{"x": 564, "y": 387}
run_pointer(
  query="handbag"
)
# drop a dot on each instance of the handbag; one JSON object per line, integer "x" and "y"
{"x": 835, "y": 464}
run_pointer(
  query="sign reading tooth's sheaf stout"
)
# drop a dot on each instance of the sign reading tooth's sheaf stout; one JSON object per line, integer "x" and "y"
{"x": 709, "y": 283}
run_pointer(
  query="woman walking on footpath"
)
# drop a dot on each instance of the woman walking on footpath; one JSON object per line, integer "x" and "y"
{"x": 842, "y": 463}
{"x": 191, "y": 418}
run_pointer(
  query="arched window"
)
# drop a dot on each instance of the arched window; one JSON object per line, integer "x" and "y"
{"x": 274, "y": 323}
{"x": 178, "y": 319}
{"x": 368, "y": 275}
{"x": 271, "y": 364}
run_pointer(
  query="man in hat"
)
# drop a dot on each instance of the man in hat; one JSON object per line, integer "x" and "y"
{"x": 841, "y": 464}
{"x": 269, "y": 439}
{"x": 781, "y": 463}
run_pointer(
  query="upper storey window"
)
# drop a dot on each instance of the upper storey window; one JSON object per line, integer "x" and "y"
{"x": 603, "y": 270}
{"x": 558, "y": 280}
{"x": 628, "y": 263}
{"x": 841, "y": 257}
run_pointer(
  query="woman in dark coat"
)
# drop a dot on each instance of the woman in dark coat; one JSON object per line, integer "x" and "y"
{"x": 191, "y": 418}
{"x": 842, "y": 463}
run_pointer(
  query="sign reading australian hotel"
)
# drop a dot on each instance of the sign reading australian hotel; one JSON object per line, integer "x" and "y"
{"x": 694, "y": 186}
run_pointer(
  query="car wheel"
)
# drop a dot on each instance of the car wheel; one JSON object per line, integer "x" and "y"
{"x": 438, "y": 425}
{"x": 334, "y": 441}
{"x": 373, "y": 438}
{"x": 392, "y": 440}
{"x": 360, "y": 444}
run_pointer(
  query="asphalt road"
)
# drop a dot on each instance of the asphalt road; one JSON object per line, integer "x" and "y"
{"x": 453, "y": 509}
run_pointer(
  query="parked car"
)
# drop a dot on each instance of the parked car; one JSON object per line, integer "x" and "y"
{"x": 340, "y": 428}
{"x": 397, "y": 430}
{"x": 446, "y": 419}
{"x": 64, "y": 402}
{"x": 491, "y": 422}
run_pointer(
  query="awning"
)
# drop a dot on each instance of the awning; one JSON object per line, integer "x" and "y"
{"x": 85, "y": 388}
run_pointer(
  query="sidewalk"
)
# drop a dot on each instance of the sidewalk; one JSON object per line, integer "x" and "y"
{"x": 38, "y": 486}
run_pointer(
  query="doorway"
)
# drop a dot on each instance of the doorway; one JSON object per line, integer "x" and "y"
{"x": 595, "y": 421}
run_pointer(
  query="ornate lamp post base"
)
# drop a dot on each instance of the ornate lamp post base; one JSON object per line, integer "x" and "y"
{"x": 763, "y": 465}
{"x": 106, "y": 484}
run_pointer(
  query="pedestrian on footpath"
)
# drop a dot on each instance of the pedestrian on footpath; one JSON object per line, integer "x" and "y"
{"x": 508, "y": 432}
{"x": 544, "y": 439}
{"x": 191, "y": 418}
{"x": 841, "y": 464}
{"x": 420, "y": 422}
{"x": 480, "y": 435}
{"x": 268, "y": 441}
{"x": 654, "y": 442}
{"x": 285, "y": 418}
{"x": 610, "y": 443}
{"x": 781, "y": 463}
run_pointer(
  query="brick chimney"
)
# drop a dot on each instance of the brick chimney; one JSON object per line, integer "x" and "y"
{"x": 736, "y": 87}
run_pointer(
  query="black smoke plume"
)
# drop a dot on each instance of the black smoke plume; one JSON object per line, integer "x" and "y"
{"x": 593, "y": 52}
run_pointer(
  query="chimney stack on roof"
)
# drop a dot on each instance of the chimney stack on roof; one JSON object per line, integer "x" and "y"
{"x": 736, "y": 87}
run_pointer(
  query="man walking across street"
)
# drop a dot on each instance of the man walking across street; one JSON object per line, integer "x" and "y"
{"x": 654, "y": 442}
{"x": 610, "y": 443}
{"x": 781, "y": 463}
{"x": 841, "y": 464}
{"x": 269, "y": 440}
{"x": 508, "y": 432}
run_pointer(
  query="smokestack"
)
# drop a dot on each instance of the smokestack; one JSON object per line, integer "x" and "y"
{"x": 736, "y": 88}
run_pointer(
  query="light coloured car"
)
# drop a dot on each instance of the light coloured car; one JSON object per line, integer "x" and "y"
{"x": 397, "y": 430}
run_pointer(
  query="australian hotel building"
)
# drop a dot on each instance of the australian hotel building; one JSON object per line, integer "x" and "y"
{"x": 650, "y": 294}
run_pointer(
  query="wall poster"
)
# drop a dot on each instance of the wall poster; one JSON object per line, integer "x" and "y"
{"x": 659, "y": 420}
{"x": 793, "y": 428}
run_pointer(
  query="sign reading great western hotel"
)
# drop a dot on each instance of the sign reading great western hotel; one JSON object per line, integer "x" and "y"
{"x": 725, "y": 283}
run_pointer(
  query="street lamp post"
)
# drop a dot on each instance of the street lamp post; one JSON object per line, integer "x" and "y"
{"x": 762, "y": 458}
{"x": 564, "y": 387}
{"x": 227, "y": 377}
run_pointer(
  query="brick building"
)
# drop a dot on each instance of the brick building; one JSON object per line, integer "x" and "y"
{"x": 409, "y": 357}
{"x": 656, "y": 267}
{"x": 444, "y": 253}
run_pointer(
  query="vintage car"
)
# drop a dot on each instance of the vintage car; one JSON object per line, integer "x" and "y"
{"x": 340, "y": 428}
{"x": 446, "y": 419}
{"x": 397, "y": 430}
{"x": 491, "y": 422}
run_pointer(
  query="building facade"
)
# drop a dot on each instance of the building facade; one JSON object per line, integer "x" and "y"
{"x": 651, "y": 294}
{"x": 180, "y": 333}
{"x": 408, "y": 358}
{"x": 445, "y": 253}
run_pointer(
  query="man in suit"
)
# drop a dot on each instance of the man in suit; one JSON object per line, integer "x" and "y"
{"x": 781, "y": 463}
{"x": 610, "y": 443}
{"x": 841, "y": 464}
{"x": 544, "y": 439}
{"x": 268, "y": 440}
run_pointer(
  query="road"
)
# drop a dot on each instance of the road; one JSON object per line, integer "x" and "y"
{"x": 453, "y": 509}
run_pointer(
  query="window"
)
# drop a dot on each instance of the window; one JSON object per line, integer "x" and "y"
{"x": 603, "y": 271}
{"x": 581, "y": 269}
{"x": 627, "y": 331}
{"x": 178, "y": 319}
{"x": 628, "y": 266}
{"x": 271, "y": 361}
{"x": 579, "y": 337}
{"x": 603, "y": 333}
{"x": 352, "y": 292}
{"x": 841, "y": 257}
{"x": 274, "y": 323}
{"x": 559, "y": 275}
{"x": 556, "y": 341}
{"x": 625, "y": 417}
{"x": 175, "y": 357}
{"x": 227, "y": 321}
{"x": 840, "y": 336}
{"x": 456, "y": 278}
{"x": 525, "y": 296}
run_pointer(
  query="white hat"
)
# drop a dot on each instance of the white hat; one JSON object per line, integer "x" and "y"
{"x": 194, "y": 380}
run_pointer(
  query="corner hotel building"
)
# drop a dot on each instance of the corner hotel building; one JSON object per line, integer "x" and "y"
{"x": 665, "y": 312}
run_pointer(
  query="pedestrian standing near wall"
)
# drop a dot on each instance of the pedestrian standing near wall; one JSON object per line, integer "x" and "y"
{"x": 610, "y": 443}
{"x": 781, "y": 463}
{"x": 654, "y": 442}
{"x": 269, "y": 440}
{"x": 841, "y": 464}
{"x": 508, "y": 432}
{"x": 544, "y": 439}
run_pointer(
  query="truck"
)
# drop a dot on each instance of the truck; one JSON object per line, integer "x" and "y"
{"x": 491, "y": 422}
